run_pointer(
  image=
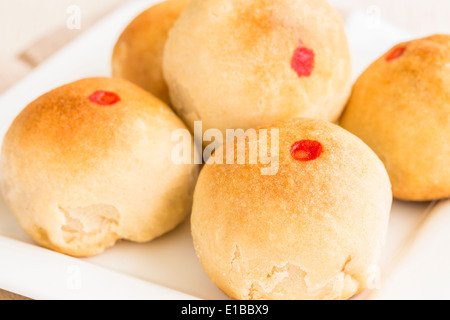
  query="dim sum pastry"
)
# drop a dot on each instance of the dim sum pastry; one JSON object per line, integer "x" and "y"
{"x": 138, "y": 53}
{"x": 89, "y": 163}
{"x": 241, "y": 64}
{"x": 312, "y": 230}
{"x": 400, "y": 107}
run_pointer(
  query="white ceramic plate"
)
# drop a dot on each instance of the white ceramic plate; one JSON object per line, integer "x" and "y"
{"x": 166, "y": 268}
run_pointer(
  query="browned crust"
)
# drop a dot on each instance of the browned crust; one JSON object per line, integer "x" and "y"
{"x": 401, "y": 109}
{"x": 137, "y": 55}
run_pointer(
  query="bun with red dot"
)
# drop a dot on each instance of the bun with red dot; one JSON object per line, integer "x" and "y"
{"x": 138, "y": 53}
{"x": 89, "y": 163}
{"x": 241, "y": 64}
{"x": 313, "y": 230}
{"x": 400, "y": 107}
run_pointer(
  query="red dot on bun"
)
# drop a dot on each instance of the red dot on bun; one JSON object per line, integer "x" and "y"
{"x": 303, "y": 61}
{"x": 396, "y": 53}
{"x": 104, "y": 98}
{"x": 306, "y": 150}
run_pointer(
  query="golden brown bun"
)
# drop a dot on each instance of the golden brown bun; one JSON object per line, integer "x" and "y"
{"x": 400, "y": 107}
{"x": 137, "y": 55}
{"x": 79, "y": 176}
{"x": 230, "y": 63}
{"x": 312, "y": 231}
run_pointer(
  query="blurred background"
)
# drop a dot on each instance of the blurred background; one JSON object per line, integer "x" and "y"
{"x": 32, "y": 30}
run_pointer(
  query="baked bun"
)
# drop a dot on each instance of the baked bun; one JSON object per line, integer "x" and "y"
{"x": 312, "y": 230}
{"x": 400, "y": 107}
{"x": 242, "y": 64}
{"x": 137, "y": 55}
{"x": 90, "y": 163}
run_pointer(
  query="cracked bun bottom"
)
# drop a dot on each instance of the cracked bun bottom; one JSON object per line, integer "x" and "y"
{"x": 313, "y": 230}
{"x": 89, "y": 163}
